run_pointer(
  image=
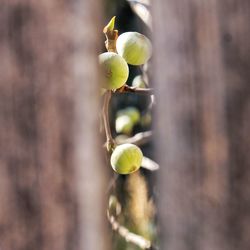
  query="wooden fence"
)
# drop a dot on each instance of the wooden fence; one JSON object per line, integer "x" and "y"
{"x": 52, "y": 176}
{"x": 201, "y": 72}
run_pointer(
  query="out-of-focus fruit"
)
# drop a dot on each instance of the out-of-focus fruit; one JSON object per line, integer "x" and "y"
{"x": 138, "y": 82}
{"x": 132, "y": 112}
{"x": 124, "y": 124}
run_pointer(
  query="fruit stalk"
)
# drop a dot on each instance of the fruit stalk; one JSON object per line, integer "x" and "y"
{"x": 128, "y": 89}
{"x": 110, "y": 43}
{"x": 110, "y": 143}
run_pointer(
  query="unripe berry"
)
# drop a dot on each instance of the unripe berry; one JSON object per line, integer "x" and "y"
{"x": 126, "y": 158}
{"x": 134, "y": 47}
{"x": 124, "y": 124}
{"x": 115, "y": 70}
{"x": 138, "y": 82}
{"x": 132, "y": 112}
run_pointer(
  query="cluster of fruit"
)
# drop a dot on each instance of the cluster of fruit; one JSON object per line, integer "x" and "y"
{"x": 132, "y": 48}
{"x": 135, "y": 49}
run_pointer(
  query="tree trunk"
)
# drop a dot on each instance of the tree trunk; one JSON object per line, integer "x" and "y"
{"x": 51, "y": 175}
{"x": 201, "y": 76}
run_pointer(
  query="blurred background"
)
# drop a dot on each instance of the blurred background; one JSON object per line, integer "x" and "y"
{"x": 57, "y": 188}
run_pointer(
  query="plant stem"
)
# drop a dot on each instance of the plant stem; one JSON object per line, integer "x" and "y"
{"x": 128, "y": 89}
{"x": 127, "y": 235}
{"x": 110, "y": 143}
{"x": 138, "y": 139}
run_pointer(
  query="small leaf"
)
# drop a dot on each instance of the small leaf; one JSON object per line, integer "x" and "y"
{"x": 110, "y": 26}
{"x": 149, "y": 164}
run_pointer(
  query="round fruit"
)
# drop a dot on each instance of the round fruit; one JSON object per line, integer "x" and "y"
{"x": 132, "y": 112}
{"x": 138, "y": 82}
{"x": 134, "y": 47}
{"x": 126, "y": 158}
{"x": 115, "y": 70}
{"x": 124, "y": 124}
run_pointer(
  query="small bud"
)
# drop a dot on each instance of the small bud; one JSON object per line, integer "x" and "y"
{"x": 110, "y": 26}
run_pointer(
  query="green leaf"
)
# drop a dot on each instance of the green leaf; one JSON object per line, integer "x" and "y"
{"x": 110, "y": 26}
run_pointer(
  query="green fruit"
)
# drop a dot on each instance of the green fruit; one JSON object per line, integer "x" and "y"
{"x": 115, "y": 70}
{"x": 126, "y": 158}
{"x": 138, "y": 82}
{"x": 124, "y": 124}
{"x": 132, "y": 112}
{"x": 134, "y": 47}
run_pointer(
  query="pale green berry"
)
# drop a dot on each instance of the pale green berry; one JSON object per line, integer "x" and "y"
{"x": 134, "y": 47}
{"x": 138, "y": 82}
{"x": 115, "y": 69}
{"x": 124, "y": 124}
{"x": 126, "y": 158}
{"x": 132, "y": 112}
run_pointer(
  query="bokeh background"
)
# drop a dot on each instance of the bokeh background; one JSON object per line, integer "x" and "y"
{"x": 55, "y": 181}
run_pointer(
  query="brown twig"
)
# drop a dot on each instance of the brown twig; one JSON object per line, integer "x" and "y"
{"x": 127, "y": 235}
{"x": 128, "y": 89}
{"x": 110, "y": 143}
{"x": 138, "y": 139}
{"x": 111, "y": 37}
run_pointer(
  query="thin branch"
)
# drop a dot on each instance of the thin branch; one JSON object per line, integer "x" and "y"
{"x": 127, "y": 235}
{"x": 111, "y": 37}
{"x": 127, "y": 89}
{"x": 112, "y": 183}
{"x": 110, "y": 143}
{"x": 138, "y": 139}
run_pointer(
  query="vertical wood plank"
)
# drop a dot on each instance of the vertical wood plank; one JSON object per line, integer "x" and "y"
{"x": 235, "y": 37}
{"x": 51, "y": 175}
{"x": 200, "y": 75}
